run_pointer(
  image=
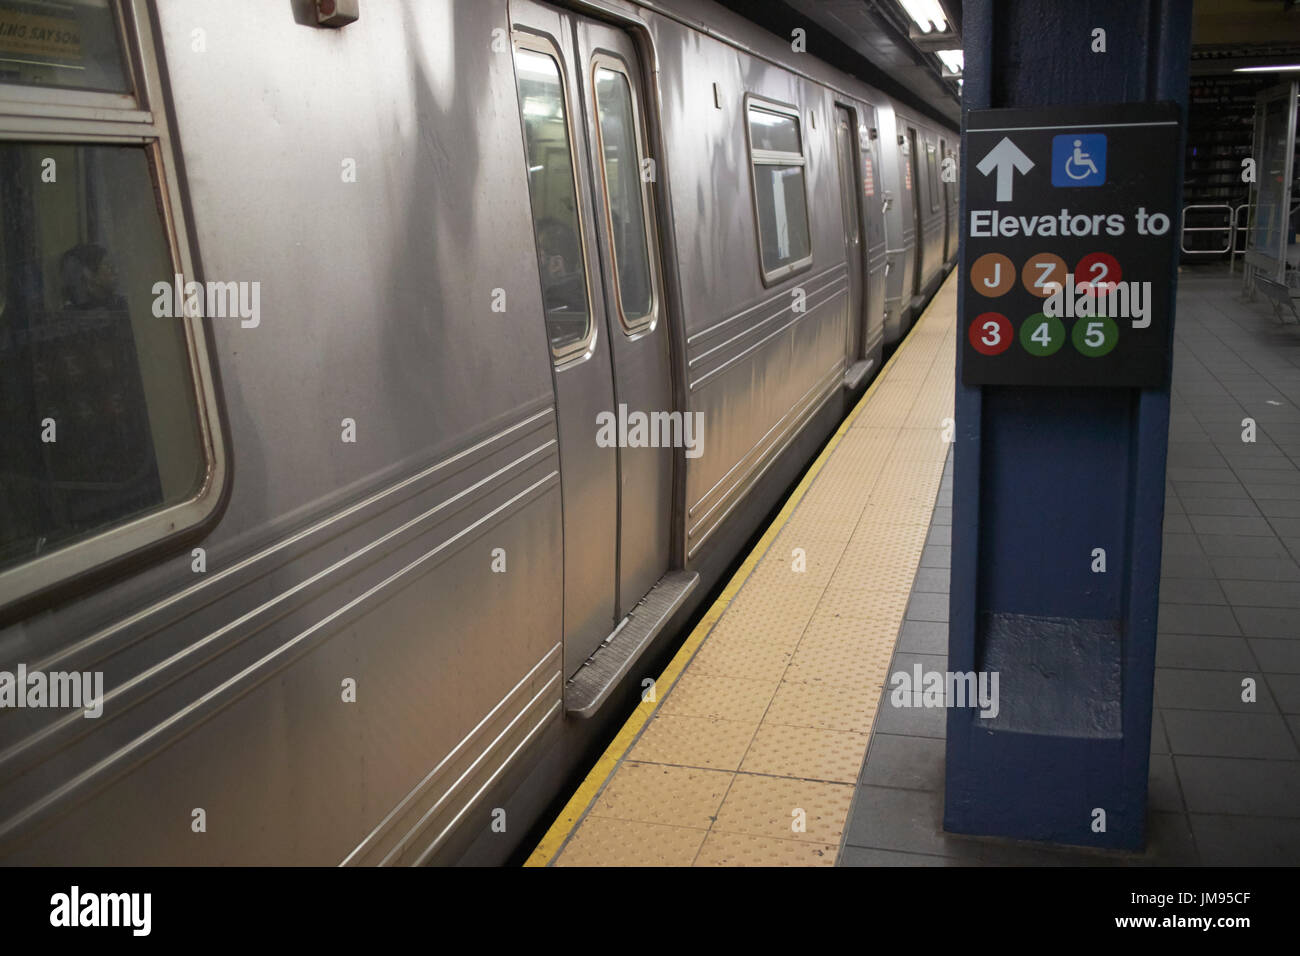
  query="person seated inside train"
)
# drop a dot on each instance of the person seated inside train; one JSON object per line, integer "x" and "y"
{"x": 90, "y": 279}
{"x": 564, "y": 284}
{"x": 91, "y": 374}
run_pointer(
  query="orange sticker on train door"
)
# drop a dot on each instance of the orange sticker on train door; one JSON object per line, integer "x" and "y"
{"x": 907, "y": 175}
{"x": 868, "y": 177}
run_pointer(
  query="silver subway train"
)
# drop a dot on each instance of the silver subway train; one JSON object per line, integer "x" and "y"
{"x": 380, "y": 398}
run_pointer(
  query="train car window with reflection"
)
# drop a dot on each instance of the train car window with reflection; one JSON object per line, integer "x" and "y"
{"x": 553, "y": 193}
{"x": 96, "y": 396}
{"x": 780, "y": 196}
{"x": 932, "y": 168}
{"x": 623, "y": 191}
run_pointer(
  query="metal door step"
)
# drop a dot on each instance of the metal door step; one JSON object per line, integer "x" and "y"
{"x": 857, "y": 372}
{"x": 600, "y": 673}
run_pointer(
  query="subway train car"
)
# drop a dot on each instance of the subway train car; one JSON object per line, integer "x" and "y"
{"x": 924, "y": 219}
{"x": 379, "y": 397}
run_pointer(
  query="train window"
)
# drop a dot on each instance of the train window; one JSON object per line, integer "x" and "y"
{"x": 110, "y": 442}
{"x": 773, "y": 132}
{"x": 780, "y": 198}
{"x": 553, "y": 191}
{"x": 74, "y": 44}
{"x": 848, "y": 177}
{"x": 621, "y": 165}
{"x": 101, "y": 423}
{"x": 943, "y": 158}
{"x": 932, "y": 166}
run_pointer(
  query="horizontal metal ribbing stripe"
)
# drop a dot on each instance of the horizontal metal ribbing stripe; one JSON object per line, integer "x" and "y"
{"x": 832, "y": 386}
{"x": 754, "y": 448}
{"x": 696, "y": 383}
{"x": 478, "y": 450}
{"x": 228, "y": 690}
{"x": 551, "y": 658}
{"x": 705, "y": 332}
{"x": 755, "y": 328}
{"x": 130, "y": 692}
{"x": 553, "y": 710}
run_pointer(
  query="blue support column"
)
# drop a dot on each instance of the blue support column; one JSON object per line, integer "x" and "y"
{"x": 1044, "y": 475}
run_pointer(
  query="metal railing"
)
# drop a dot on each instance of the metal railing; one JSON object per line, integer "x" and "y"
{"x": 1229, "y": 227}
{"x": 1237, "y": 228}
{"x": 1232, "y": 225}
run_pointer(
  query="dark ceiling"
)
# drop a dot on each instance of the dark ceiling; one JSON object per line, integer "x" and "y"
{"x": 1227, "y": 34}
{"x": 876, "y": 40}
{"x": 870, "y": 39}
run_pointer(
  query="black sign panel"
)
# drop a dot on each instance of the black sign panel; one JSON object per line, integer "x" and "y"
{"x": 1071, "y": 226}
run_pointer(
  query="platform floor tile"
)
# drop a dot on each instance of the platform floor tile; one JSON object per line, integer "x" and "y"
{"x": 1224, "y": 772}
{"x": 751, "y": 753}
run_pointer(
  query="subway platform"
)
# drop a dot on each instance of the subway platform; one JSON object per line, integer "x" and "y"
{"x": 771, "y": 739}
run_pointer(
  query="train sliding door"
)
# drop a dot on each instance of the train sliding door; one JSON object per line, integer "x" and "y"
{"x": 581, "y": 107}
{"x": 614, "y": 106}
{"x": 864, "y": 238}
{"x": 875, "y": 238}
{"x": 913, "y": 161}
{"x": 851, "y": 209}
{"x": 947, "y": 212}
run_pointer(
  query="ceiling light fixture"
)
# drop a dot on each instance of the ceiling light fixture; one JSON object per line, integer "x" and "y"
{"x": 927, "y": 14}
{"x": 952, "y": 59}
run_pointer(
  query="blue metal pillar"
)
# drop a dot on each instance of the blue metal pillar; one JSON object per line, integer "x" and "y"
{"x": 1043, "y": 476}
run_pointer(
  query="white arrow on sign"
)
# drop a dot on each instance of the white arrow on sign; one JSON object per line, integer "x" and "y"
{"x": 1006, "y": 158}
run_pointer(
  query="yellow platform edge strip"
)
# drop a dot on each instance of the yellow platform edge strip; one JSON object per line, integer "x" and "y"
{"x": 560, "y": 831}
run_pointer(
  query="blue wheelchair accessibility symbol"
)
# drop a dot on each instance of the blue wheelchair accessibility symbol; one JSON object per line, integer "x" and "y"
{"x": 1079, "y": 159}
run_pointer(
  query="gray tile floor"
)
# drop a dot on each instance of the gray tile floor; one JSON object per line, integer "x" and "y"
{"x": 1225, "y": 774}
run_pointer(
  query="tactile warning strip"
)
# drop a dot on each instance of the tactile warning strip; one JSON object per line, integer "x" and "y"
{"x": 748, "y": 754}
